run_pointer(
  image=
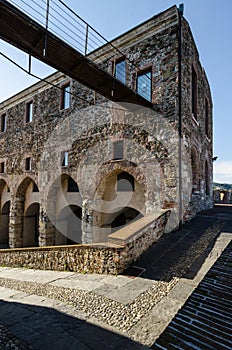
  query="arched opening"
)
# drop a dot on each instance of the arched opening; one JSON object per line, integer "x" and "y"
{"x": 25, "y": 215}
{"x": 207, "y": 179}
{"x": 31, "y": 226}
{"x": 68, "y": 226}
{"x": 125, "y": 217}
{"x": 118, "y": 194}
{"x": 125, "y": 182}
{"x": 4, "y": 225}
{"x": 195, "y": 171}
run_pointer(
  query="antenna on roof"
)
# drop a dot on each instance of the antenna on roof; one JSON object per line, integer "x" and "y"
{"x": 181, "y": 9}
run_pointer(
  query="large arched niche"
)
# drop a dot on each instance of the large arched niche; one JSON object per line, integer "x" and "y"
{"x": 28, "y": 196}
{"x": 120, "y": 195}
{"x": 64, "y": 208}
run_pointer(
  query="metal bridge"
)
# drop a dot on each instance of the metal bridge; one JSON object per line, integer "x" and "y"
{"x": 53, "y": 33}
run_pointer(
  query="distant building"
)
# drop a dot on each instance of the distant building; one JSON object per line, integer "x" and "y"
{"x": 76, "y": 167}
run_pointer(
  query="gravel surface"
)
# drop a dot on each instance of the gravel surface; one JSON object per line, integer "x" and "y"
{"x": 9, "y": 341}
{"x": 111, "y": 312}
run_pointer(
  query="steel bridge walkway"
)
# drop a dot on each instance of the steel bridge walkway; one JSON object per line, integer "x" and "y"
{"x": 26, "y": 33}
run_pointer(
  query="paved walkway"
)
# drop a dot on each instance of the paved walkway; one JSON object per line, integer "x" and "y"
{"x": 65, "y": 310}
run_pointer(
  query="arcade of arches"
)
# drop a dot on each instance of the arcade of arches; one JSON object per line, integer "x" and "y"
{"x": 26, "y": 222}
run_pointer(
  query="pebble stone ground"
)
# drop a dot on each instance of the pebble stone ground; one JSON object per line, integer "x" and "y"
{"x": 65, "y": 310}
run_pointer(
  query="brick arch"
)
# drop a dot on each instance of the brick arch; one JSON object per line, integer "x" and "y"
{"x": 112, "y": 169}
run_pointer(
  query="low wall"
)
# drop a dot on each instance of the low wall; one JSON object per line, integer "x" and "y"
{"x": 124, "y": 247}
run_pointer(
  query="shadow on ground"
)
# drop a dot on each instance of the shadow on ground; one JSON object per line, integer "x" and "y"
{"x": 43, "y": 328}
{"x": 184, "y": 250}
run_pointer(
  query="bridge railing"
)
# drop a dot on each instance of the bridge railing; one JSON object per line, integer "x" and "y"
{"x": 59, "y": 19}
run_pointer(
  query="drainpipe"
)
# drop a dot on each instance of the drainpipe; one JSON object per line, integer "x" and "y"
{"x": 180, "y": 204}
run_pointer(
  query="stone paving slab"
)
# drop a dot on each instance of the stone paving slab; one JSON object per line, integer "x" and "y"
{"x": 114, "y": 312}
{"x": 127, "y": 293}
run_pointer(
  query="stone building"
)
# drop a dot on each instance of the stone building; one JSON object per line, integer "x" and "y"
{"x": 75, "y": 167}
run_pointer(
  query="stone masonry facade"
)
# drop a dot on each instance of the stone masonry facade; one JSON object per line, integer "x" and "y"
{"x": 63, "y": 155}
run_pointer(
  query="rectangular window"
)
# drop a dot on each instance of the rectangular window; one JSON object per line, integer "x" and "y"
{"x": 28, "y": 164}
{"x": 206, "y": 118}
{"x": 144, "y": 84}
{"x": 3, "y": 122}
{"x": 118, "y": 150}
{"x": 194, "y": 93}
{"x": 65, "y": 98}
{"x": 2, "y": 167}
{"x": 120, "y": 70}
{"x": 29, "y": 112}
{"x": 64, "y": 159}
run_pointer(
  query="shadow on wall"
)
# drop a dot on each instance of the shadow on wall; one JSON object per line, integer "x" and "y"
{"x": 45, "y": 328}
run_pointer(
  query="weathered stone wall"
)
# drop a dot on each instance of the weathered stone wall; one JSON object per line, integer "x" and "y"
{"x": 106, "y": 258}
{"x": 197, "y": 140}
{"x": 91, "y": 125}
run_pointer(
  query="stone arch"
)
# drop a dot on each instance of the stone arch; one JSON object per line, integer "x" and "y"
{"x": 110, "y": 201}
{"x": 64, "y": 209}
{"x": 195, "y": 164}
{"x": 23, "y": 206}
{"x": 4, "y": 225}
{"x": 4, "y": 192}
{"x": 31, "y": 226}
{"x": 23, "y": 186}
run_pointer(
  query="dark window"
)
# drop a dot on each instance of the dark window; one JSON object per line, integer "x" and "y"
{"x": 64, "y": 159}
{"x": 2, "y": 167}
{"x": 125, "y": 182}
{"x": 144, "y": 84}
{"x": 3, "y": 123}
{"x": 120, "y": 70}
{"x": 194, "y": 93}
{"x": 29, "y": 112}
{"x": 118, "y": 150}
{"x": 28, "y": 163}
{"x": 72, "y": 185}
{"x": 206, "y": 118}
{"x": 65, "y": 98}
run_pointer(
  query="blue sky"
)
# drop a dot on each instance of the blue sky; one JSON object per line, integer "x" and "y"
{"x": 210, "y": 22}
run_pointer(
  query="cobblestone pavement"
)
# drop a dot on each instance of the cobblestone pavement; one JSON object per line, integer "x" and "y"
{"x": 65, "y": 310}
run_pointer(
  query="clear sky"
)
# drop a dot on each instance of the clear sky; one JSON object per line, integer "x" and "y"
{"x": 210, "y": 22}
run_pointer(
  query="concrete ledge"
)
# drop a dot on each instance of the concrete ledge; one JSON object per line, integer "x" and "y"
{"x": 136, "y": 229}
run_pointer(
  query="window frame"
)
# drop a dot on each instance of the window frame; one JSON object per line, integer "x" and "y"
{"x": 117, "y": 62}
{"x": 28, "y": 164}
{"x": 64, "y": 159}
{"x": 3, "y": 125}
{"x": 63, "y": 105}
{"x": 2, "y": 167}
{"x": 29, "y": 112}
{"x": 121, "y": 151}
{"x": 141, "y": 72}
